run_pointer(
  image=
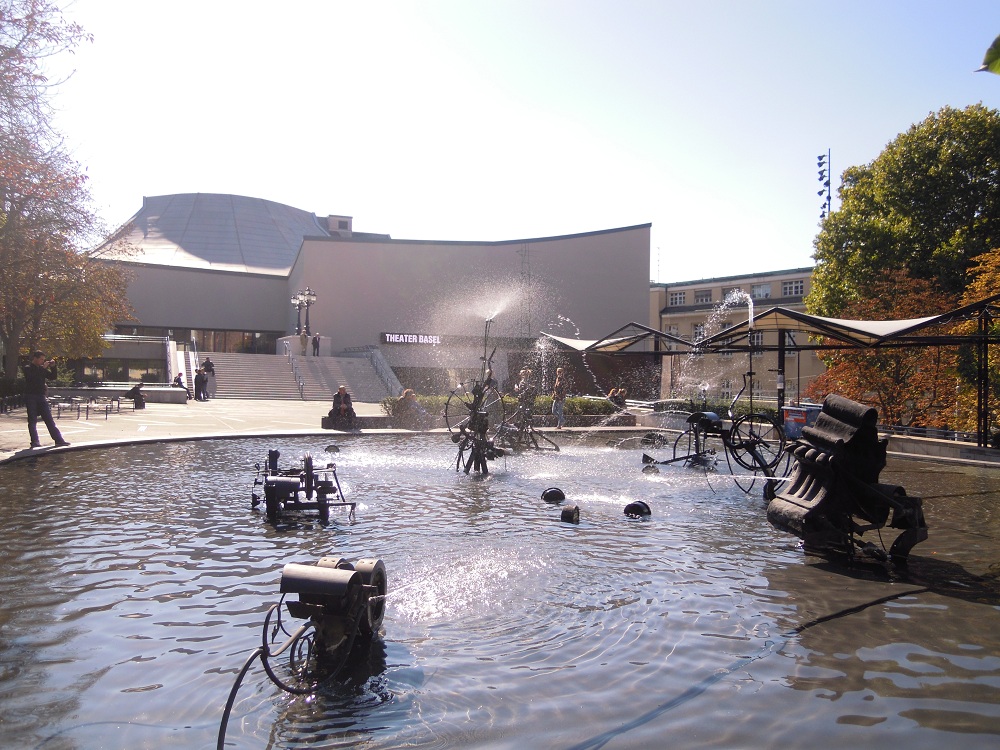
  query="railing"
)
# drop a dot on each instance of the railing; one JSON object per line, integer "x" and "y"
{"x": 299, "y": 380}
{"x": 384, "y": 372}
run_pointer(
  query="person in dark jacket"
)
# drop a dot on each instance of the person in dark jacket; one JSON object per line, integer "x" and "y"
{"x": 135, "y": 393}
{"x": 179, "y": 383}
{"x": 200, "y": 385}
{"x": 36, "y": 373}
{"x": 342, "y": 412}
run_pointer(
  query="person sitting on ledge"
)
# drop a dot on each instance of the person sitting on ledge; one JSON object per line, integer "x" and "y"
{"x": 342, "y": 412}
{"x": 179, "y": 383}
{"x": 408, "y": 413}
{"x": 617, "y": 397}
{"x": 135, "y": 393}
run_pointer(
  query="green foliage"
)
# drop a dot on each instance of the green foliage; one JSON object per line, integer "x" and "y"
{"x": 434, "y": 405}
{"x": 991, "y": 62}
{"x": 928, "y": 204}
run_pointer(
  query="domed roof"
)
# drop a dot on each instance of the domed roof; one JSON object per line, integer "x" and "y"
{"x": 219, "y": 231}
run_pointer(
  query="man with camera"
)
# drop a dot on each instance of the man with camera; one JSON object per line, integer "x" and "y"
{"x": 36, "y": 372}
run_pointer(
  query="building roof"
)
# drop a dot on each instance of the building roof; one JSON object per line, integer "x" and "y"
{"x": 219, "y": 232}
{"x": 743, "y": 277}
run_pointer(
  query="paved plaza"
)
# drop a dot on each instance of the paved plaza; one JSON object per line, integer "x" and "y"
{"x": 195, "y": 419}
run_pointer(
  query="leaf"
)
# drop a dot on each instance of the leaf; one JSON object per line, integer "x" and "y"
{"x": 991, "y": 63}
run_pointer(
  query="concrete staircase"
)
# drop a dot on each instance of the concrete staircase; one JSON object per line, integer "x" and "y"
{"x": 272, "y": 376}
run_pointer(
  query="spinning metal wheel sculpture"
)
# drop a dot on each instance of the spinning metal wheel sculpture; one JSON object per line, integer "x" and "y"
{"x": 519, "y": 433}
{"x": 754, "y": 443}
{"x": 470, "y": 411}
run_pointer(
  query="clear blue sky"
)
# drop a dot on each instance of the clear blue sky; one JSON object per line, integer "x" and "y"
{"x": 467, "y": 120}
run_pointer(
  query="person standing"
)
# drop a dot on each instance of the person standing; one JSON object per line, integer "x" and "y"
{"x": 316, "y": 345}
{"x": 208, "y": 369}
{"x": 36, "y": 372}
{"x": 559, "y": 398}
{"x": 525, "y": 391}
{"x": 199, "y": 385}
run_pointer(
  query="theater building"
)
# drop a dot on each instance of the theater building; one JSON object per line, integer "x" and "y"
{"x": 222, "y": 271}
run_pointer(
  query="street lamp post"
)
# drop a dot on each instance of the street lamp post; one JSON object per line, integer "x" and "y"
{"x": 823, "y": 163}
{"x": 297, "y": 302}
{"x": 308, "y": 298}
{"x": 303, "y": 299}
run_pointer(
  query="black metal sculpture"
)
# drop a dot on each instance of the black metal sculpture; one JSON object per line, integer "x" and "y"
{"x": 299, "y": 488}
{"x": 833, "y": 496}
{"x": 473, "y": 413}
{"x": 343, "y": 604}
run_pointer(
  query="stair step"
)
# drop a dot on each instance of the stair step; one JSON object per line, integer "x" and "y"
{"x": 270, "y": 376}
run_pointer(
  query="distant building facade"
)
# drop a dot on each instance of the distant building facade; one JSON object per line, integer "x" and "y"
{"x": 693, "y": 310}
{"x": 222, "y": 270}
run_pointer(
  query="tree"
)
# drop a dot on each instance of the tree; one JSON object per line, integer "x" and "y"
{"x": 984, "y": 281}
{"x": 912, "y": 385}
{"x": 929, "y": 203}
{"x": 31, "y": 31}
{"x": 53, "y": 293}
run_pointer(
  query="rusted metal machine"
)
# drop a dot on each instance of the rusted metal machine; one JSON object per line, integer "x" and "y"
{"x": 832, "y": 496}
{"x": 303, "y": 487}
{"x": 344, "y": 606}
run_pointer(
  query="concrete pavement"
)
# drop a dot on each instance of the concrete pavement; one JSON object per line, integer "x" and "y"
{"x": 228, "y": 417}
{"x": 195, "y": 419}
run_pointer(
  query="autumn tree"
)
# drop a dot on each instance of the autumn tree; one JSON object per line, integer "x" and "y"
{"x": 984, "y": 282}
{"x": 908, "y": 385}
{"x": 54, "y": 293}
{"x": 929, "y": 203}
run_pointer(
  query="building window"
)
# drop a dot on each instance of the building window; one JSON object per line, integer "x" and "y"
{"x": 703, "y": 296}
{"x": 793, "y": 288}
{"x": 756, "y": 340}
{"x": 790, "y": 349}
{"x": 732, "y": 294}
{"x": 677, "y": 298}
{"x": 697, "y": 331}
{"x": 726, "y": 389}
{"x": 673, "y": 331}
{"x": 722, "y": 327}
{"x": 760, "y": 291}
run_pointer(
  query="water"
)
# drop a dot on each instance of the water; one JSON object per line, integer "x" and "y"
{"x": 136, "y": 581}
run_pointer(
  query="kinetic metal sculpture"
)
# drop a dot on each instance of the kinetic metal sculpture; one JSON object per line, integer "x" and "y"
{"x": 832, "y": 496}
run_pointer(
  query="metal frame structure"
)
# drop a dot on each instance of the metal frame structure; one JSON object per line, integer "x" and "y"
{"x": 828, "y": 334}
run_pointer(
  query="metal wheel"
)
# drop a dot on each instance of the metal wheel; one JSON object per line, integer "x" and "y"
{"x": 462, "y": 402}
{"x": 373, "y": 574}
{"x": 747, "y": 476}
{"x": 756, "y": 442}
{"x": 691, "y": 447}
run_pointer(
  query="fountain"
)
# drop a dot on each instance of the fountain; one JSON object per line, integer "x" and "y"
{"x": 126, "y": 620}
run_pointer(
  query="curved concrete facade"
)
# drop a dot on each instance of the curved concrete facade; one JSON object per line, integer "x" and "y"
{"x": 220, "y": 262}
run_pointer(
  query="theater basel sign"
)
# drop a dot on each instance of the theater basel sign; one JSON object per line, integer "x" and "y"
{"x": 424, "y": 339}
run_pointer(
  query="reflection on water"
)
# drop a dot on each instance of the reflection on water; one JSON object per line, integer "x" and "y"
{"x": 136, "y": 581}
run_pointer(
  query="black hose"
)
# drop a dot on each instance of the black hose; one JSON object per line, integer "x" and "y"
{"x": 257, "y": 652}
{"x": 697, "y": 689}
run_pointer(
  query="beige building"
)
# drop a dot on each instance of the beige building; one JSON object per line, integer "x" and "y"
{"x": 694, "y": 310}
{"x": 224, "y": 270}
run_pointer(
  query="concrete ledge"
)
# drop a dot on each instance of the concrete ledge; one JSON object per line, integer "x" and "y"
{"x": 942, "y": 449}
{"x": 163, "y": 394}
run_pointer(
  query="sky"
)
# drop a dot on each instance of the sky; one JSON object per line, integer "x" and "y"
{"x": 516, "y": 119}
